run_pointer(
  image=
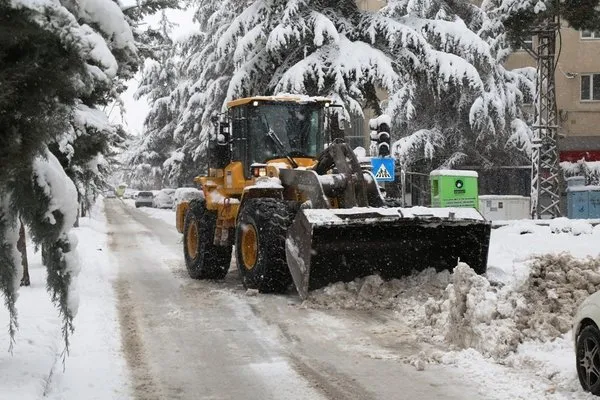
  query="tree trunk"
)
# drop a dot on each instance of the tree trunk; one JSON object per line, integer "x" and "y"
{"x": 22, "y": 247}
{"x": 76, "y": 224}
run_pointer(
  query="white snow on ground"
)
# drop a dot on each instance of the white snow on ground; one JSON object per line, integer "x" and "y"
{"x": 509, "y": 330}
{"x": 163, "y": 214}
{"x": 95, "y": 367}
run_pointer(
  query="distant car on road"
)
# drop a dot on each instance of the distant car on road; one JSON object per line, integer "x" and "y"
{"x": 144, "y": 199}
{"x": 110, "y": 194}
{"x": 129, "y": 194}
{"x": 164, "y": 198}
{"x": 586, "y": 336}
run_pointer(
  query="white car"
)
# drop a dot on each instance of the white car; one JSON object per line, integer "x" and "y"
{"x": 164, "y": 198}
{"x": 144, "y": 199}
{"x": 586, "y": 336}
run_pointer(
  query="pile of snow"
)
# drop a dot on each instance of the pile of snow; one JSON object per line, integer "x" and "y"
{"x": 495, "y": 320}
{"x": 465, "y": 310}
{"x": 574, "y": 226}
{"x": 408, "y": 294}
{"x": 95, "y": 367}
{"x": 265, "y": 182}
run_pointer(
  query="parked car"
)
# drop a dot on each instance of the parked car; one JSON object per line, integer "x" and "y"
{"x": 186, "y": 194}
{"x": 144, "y": 199}
{"x": 129, "y": 194}
{"x": 586, "y": 336}
{"x": 164, "y": 198}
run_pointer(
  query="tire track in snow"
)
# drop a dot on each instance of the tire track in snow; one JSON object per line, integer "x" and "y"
{"x": 144, "y": 383}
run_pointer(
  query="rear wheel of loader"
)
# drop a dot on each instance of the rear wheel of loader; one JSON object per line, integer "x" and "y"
{"x": 260, "y": 244}
{"x": 203, "y": 259}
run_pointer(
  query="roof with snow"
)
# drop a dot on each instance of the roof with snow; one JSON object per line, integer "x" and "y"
{"x": 292, "y": 98}
{"x": 453, "y": 172}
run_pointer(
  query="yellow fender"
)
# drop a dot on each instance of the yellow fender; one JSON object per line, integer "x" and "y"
{"x": 180, "y": 215}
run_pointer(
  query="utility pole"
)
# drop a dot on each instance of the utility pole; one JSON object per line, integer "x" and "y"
{"x": 545, "y": 189}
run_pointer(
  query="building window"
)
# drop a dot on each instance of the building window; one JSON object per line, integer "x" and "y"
{"x": 590, "y": 34}
{"x": 590, "y": 87}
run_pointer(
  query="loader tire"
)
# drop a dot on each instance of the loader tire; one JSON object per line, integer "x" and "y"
{"x": 203, "y": 259}
{"x": 260, "y": 244}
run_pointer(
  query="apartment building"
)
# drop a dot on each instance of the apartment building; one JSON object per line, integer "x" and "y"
{"x": 577, "y": 78}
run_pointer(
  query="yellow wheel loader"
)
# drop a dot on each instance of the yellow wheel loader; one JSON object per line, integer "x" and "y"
{"x": 286, "y": 191}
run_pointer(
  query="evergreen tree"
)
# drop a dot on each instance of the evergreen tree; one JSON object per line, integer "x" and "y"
{"x": 54, "y": 70}
{"x": 450, "y": 99}
{"x": 521, "y": 17}
{"x": 458, "y": 103}
{"x": 156, "y": 144}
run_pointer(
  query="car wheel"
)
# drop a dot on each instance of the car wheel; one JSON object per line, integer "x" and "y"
{"x": 588, "y": 359}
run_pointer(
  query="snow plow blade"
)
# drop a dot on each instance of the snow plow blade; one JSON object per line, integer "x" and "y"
{"x": 324, "y": 246}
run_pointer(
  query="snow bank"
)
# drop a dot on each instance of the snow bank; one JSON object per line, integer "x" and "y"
{"x": 508, "y": 329}
{"x": 95, "y": 367}
{"x": 466, "y": 310}
{"x": 409, "y": 293}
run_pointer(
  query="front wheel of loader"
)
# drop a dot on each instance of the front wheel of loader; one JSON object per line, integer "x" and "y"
{"x": 260, "y": 244}
{"x": 203, "y": 259}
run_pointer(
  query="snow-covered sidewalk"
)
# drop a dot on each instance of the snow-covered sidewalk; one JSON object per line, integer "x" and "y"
{"x": 95, "y": 367}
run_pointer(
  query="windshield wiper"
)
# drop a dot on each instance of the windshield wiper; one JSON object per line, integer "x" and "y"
{"x": 273, "y": 136}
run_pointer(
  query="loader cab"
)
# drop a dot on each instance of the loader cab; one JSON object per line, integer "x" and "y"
{"x": 268, "y": 128}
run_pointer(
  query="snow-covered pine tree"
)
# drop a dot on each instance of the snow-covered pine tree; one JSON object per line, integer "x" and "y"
{"x": 519, "y": 17}
{"x": 448, "y": 96}
{"x": 155, "y": 144}
{"x": 266, "y": 47}
{"x": 455, "y": 102}
{"x": 52, "y": 62}
{"x": 204, "y": 75}
{"x": 87, "y": 152}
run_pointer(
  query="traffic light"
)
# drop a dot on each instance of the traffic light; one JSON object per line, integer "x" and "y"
{"x": 380, "y": 136}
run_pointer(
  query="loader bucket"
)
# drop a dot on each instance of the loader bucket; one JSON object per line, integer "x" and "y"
{"x": 330, "y": 245}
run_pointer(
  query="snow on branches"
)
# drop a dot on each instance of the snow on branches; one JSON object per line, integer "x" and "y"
{"x": 433, "y": 66}
{"x": 61, "y": 61}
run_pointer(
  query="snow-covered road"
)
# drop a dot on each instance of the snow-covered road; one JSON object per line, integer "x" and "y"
{"x": 189, "y": 339}
{"x": 146, "y": 330}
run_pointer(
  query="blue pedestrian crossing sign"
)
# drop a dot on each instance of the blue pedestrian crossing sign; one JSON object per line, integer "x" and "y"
{"x": 383, "y": 169}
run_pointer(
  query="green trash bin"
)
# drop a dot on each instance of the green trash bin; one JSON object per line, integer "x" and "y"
{"x": 454, "y": 188}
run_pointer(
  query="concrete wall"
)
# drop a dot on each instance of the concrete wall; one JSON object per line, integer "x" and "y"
{"x": 370, "y": 5}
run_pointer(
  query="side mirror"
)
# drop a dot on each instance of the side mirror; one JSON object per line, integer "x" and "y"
{"x": 223, "y": 135}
